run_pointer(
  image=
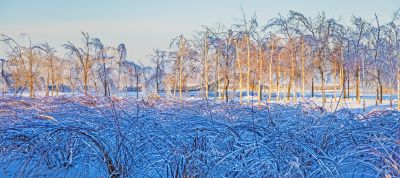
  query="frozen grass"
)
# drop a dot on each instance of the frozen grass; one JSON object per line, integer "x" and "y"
{"x": 124, "y": 137}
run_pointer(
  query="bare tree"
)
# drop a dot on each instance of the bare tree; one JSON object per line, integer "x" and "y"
{"x": 319, "y": 29}
{"x": 181, "y": 55}
{"x": 376, "y": 41}
{"x": 204, "y": 45}
{"x": 288, "y": 28}
{"x": 160, "y": 60}
{"x": 247, "y": 27}
{"x": 139, "y": 74}
{"x": 121, "y": 56}
{"x": 51, "y": 66}
{"x": 26, "y": 61}
{"x": 84, "y": 56}
{"x": 394, "y": 46}
{"x": 102, "y": 57}
{"x": 5, "y": 81}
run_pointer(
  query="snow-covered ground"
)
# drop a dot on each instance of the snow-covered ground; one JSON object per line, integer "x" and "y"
{"x": 120, "y": 136}
{"x": 332, "y": 103}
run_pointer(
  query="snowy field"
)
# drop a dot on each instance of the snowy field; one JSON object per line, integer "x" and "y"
{"x": 332, "y": 100}
{"x": 124, "y": 137}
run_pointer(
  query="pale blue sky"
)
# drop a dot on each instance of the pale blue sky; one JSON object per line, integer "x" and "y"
{"x": 149, "y": 24}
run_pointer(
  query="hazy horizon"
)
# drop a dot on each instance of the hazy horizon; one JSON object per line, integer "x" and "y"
{"x": 144, "y": 26}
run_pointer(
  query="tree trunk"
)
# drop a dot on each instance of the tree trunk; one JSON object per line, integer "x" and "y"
{"x": 284, "y": 85}
{"x": 344, "y": 83}
{"x": 380, "y": 87}
{"x": 206, "y": 66}
{"x": 240, "y": 72}
{"x": 119, "y": 73}
{"x": 52, "y": 76}
{"x": 226, "y": 86}
{"x": 358, "y": 98}
{"x": 157, "y": 79}
{"x": 57, "y": 87}
{"x": 340, "y": 77}
{"x": 260, "y": 74}
{"x": 47, "y": 84}
{"x": 248, "y": 67}
{"x": 31, "y": 89}
{"x": 105, "y": 78}
{"x": 312, "y": 87}
{"x": 293, "y": 77}
{"x": 180, "y": 68}
{"x": 270, "y": 74}
{"x": 278, "y": 78}
{"x": 52, "y": 87}
{"x": 4, "y": 77}
{"x": 321, "y": 72}
{"x": 381, "y": 94}
{"x": 137, "y": 87}
{"x": 16, "y": 85}
{"x": 105, "y": 88}
{"x": 288, "y": 89}
{"x": 348, "y": 87}
{"x": 391, "y": 93}
{"x": 217, "y": 73}
{"x": 86, "y": 73}
{"x": 85, "y": 78}
{"x": 342, "y": 74}
{"x": 377, "y": 96}
{"x": 334, "y": 80}
{"x": 398, "y": 90}
{"x": 174, "y": 87}
{"x": 303, "y": 76}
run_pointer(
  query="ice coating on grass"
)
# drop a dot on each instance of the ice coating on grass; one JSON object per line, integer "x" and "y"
{"x": 112, "y": 137}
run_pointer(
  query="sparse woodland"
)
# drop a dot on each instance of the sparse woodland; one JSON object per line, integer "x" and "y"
{"x": 288, "y": 55}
